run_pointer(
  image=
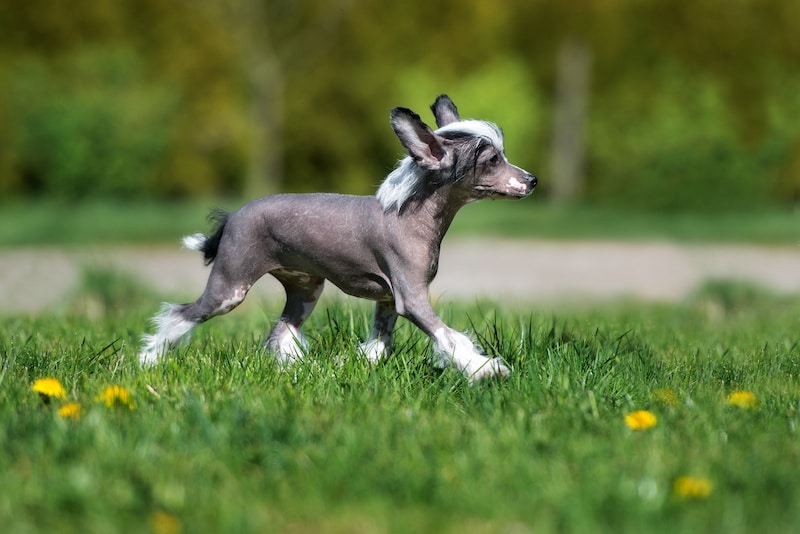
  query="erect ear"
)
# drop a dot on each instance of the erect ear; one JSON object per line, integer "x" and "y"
{"x": 445, "y": 111}
{"x": 427, "y": 148}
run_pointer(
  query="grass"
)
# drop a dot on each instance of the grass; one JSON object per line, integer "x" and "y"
{"x": 529, "y": 218}
{"x": 219, "y": 440}
{"x": 48, "y": 222}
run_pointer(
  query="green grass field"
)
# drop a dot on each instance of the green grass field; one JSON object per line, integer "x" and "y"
{"x": 219, "y": 440}
{"x": 48, "y": 222}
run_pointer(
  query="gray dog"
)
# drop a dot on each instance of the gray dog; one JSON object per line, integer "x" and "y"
{"x": 384, "y": 248}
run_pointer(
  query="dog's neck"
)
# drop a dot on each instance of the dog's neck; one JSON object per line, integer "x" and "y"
{"x": 430, "y": 217}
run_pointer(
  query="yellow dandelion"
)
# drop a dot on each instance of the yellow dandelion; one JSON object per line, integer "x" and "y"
{"x": 71, "y": 410}
{"x": 48, "y": 388}
{"x": 641, "y": 420}
{"x": 116, "y": 396}
{"x": 743, "y": 399}
{"x": 665, "y": 396}
{"x": 692, "y": 487}
{"x": 164, "y": 523}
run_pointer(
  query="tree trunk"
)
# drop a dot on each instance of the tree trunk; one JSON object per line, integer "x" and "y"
{"x": 265, "y": 167}
{"x": 570, "y": 117}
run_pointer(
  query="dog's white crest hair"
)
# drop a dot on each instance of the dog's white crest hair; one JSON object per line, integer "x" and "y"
{"x": 400, "y": 185}
{"x": 405, "y": 180}
{"x": 474, "y": 128}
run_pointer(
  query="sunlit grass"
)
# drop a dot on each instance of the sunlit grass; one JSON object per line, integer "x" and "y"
{"x": 534, "y": 217}
{"x": 220, "y": 440}
{"x": 97, "y": 221}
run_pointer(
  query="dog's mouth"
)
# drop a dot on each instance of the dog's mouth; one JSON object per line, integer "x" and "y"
{"x": 487, "y": 191}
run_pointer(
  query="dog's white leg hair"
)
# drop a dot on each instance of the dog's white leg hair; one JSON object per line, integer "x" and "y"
{"x": 452, "y": 348}
{"x": 287, "y": 344}
{"x": 170, "y": 328}
{"x": 374, "y": 350}
{"x": 379, "y": 344}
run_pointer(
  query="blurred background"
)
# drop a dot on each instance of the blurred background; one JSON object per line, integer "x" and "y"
{"x": 659, "y": 121}
{"x": 660, "y": 105}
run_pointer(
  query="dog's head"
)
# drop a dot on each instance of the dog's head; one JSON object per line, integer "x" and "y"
{"x": 466, "y": 154}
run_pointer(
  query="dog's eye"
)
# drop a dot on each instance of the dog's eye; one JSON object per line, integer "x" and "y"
{"x": 495, "y": 160}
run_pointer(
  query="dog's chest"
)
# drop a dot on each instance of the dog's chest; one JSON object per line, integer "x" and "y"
{"x": 433, "y": 267}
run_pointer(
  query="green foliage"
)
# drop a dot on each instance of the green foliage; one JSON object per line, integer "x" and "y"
{"x": 232, "y": 97}
{"x": 676, "y": 149}
{"x": 92, "y": 126}
{"x": 220, "y": 440}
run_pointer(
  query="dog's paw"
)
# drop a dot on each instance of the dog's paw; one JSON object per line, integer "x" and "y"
{"x": 286, "y": 359}
{"x": 151, "y": 351}
{"x": 147, "y": 359}
{"x": 373, "y": 351}
{"x": 287, "y": 346}
{"x": 492, "y": 368}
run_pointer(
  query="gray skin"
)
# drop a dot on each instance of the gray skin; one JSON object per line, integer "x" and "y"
{"x": 388, "y": 254}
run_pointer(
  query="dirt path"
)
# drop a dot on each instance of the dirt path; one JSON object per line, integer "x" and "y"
{"x": 33, "y": 280}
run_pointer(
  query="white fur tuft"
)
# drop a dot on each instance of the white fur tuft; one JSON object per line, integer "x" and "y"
{"x": 400, "y": 185}
{"x": 194, "y": 242}
{"x": 454, "y": 349}
{"x": 476, "y": 128}
{"x": 170, "y": 328}
{"x": 374, "y": 350}
{"x": 287, "y": 344}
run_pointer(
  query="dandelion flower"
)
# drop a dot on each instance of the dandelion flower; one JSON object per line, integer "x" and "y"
{"x": 71, "y": 410}
{"x": 116, "y": 396}
{"x": 692, "y": 487}
{"x": 164, "y": 523}
{"x": 743, "y": 399}
{"x": 48, "y": 388}
{"x": 665, "y": 396}
{"x": 640, "y": 420}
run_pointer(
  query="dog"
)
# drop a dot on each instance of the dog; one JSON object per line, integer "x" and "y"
{"x": 384, "y": 248}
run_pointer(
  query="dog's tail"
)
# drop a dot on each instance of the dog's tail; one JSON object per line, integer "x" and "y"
{"x": 209, "y": 245}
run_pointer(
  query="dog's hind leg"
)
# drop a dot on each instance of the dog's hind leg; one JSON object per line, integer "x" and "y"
{"x": 176, "y": 321}
{"x": 171, "y": 326}
{"x": 286, "y": 341}
{"x": 379, "y": 344}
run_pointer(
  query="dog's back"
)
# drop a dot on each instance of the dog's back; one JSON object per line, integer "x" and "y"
{"x": 341, "y": 238}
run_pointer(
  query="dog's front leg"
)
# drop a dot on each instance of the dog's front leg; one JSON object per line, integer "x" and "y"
{"x": 454, "y": 348}
{"x": 451, "y": 348}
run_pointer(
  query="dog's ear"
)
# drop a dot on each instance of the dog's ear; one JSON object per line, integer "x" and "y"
{"x": 427, "y": 148}
{"x": 445, "y": 111}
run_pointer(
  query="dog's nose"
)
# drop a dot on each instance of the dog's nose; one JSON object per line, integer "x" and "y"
{"x": 532, "y": 179}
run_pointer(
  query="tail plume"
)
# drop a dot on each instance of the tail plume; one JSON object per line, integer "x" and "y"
{"x": 208, "y": 245}
{"x": 194, "y": 242}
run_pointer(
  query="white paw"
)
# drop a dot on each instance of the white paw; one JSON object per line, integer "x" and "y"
{"x": 491, "y": 368}
{"x": 374, "y": 350}
{"x": 171, "y": 329}
{"x": 454, "y": 349}
{"x": 153, "y": 349}
{"x": 288, "y": 347}
{"x": 148, "y": 358}
{"x": 287, "y": 359}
